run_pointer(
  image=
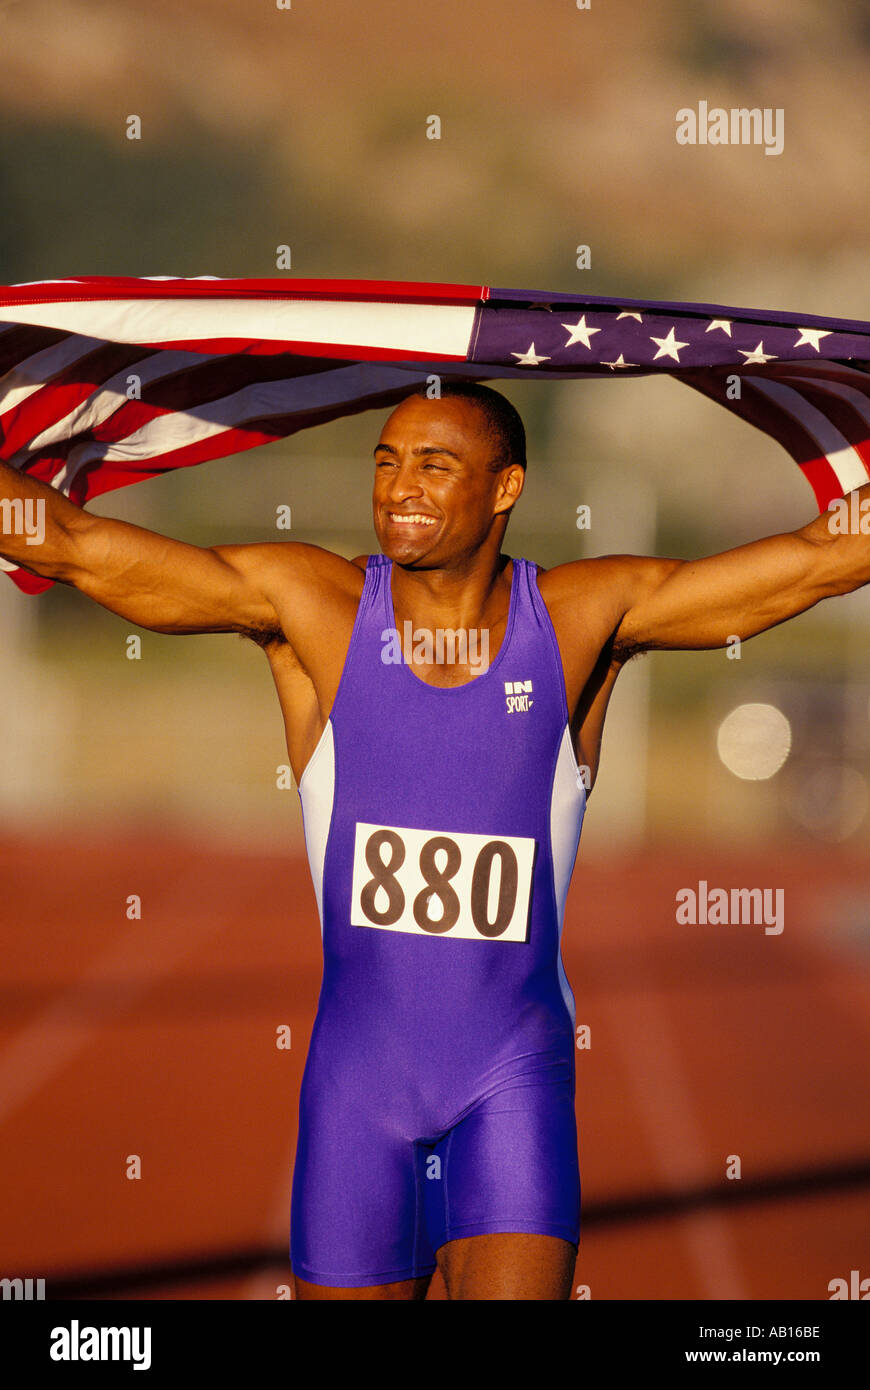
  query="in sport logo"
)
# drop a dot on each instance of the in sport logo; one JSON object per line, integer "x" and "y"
{"x": 518, "y": 696}
{"x": 440, "y": 883}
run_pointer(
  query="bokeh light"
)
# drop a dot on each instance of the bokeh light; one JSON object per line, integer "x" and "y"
{"x": 754, "y": 741}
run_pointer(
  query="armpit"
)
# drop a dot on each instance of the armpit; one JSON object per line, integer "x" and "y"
{"x": 265, "y": 637}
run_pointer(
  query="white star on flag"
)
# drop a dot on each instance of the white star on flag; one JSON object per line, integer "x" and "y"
{"x": 619, "y": 363}
{"x": 529, "y": 358}
{"x": 629, "y": 314}
{"x": 580, "y": 333}
{"x": 757, "y": 355}
{"x": 724, "y": 324}
{"x": 811, "y": 336}
{"x": 667, "y": 347}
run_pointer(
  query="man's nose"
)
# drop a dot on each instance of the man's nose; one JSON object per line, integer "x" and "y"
{"x": 404, "y": 482}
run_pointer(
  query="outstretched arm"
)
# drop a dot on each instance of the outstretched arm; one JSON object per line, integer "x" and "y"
{"x": 674, "y": 604}
{"x": 155, "y": 582}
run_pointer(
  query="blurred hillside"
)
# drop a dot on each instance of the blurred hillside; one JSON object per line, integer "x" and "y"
{"x": 307, "y": 125}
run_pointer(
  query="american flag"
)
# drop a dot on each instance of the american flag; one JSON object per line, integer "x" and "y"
{"x": 106, "y": 381}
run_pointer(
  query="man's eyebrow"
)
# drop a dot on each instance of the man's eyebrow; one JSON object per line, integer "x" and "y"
{"x": 421, "y": 449}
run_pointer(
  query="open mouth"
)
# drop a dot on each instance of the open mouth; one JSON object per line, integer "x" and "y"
{"x": 410, "y": 519}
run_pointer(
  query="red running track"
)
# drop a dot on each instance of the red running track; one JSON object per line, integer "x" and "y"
{"x": 157, "y": 1038}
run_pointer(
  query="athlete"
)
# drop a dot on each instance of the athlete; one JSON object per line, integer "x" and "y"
{"x": 442, "y": 798}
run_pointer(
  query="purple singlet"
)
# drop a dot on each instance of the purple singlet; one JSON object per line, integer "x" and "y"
{"x": 442, "y": 827}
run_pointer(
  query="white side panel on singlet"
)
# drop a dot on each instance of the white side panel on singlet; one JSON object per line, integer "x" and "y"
{"x": 567, "y": 807}
{"x": 317, "y": 793}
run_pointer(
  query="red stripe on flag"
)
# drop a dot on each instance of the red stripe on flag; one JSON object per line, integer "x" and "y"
{"x": 98, "y": 477}
{"x": 269, "y": 347}
{"x": 823, "y": 480}
{"x": 96, "y": 287}
{"x": 30, "y": 583}
{"x": 63, "y": 393}
{"x": 194, "y": 388}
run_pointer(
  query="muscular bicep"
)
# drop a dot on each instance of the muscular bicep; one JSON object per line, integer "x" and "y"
{"x": 168, "y": 585}
{"x": 700, "y": 604}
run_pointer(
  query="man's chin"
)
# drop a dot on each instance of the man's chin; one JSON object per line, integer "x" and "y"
{"x": 405, "y": 555}
{"x": 403, "y": 552}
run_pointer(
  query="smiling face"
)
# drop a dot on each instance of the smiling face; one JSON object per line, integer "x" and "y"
{"x": 438, "y": 491}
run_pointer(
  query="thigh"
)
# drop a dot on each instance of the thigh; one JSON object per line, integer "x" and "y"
{"x": 508, "y": 1266}
{"x": 510, "y": 1167}
{"x": 408, "y": 1289}
{"x": 356, "y": 1218}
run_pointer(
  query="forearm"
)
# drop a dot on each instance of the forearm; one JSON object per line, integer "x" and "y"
{"x": 37, "y": 524}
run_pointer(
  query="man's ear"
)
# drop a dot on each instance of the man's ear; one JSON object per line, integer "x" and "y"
{"x": 510, "y": 487}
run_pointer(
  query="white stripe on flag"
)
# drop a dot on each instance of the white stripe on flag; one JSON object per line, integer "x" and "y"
{"x": 431, "y": 329}
{"x": 844, "y": 460}
{"x": 37, "y": 371}
{"x": 102, "y": 403}
{"x": 856, "y": 399}
{"x": 260, "y": 400}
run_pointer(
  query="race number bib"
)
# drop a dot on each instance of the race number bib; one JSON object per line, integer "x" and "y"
{"x": 437, "y": 883}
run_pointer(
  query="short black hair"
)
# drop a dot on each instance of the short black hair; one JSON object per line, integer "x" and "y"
{"x": 503, "y": 423}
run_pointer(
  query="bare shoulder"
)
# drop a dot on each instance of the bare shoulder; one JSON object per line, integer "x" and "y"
{"x": 290, "y": 561}
{"x": 587, "y": 580}
{"x": 300, "y": 581}
{"x": 624, "y": 574}
{"x": 589, "y": 599}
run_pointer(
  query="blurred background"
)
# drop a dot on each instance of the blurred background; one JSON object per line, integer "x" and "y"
{"x": 306, "y": 127}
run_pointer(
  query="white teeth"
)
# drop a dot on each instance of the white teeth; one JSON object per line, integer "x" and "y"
{"x": 416, "y": 520}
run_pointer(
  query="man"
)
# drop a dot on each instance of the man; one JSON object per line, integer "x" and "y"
{"x": 442, "y": 802}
